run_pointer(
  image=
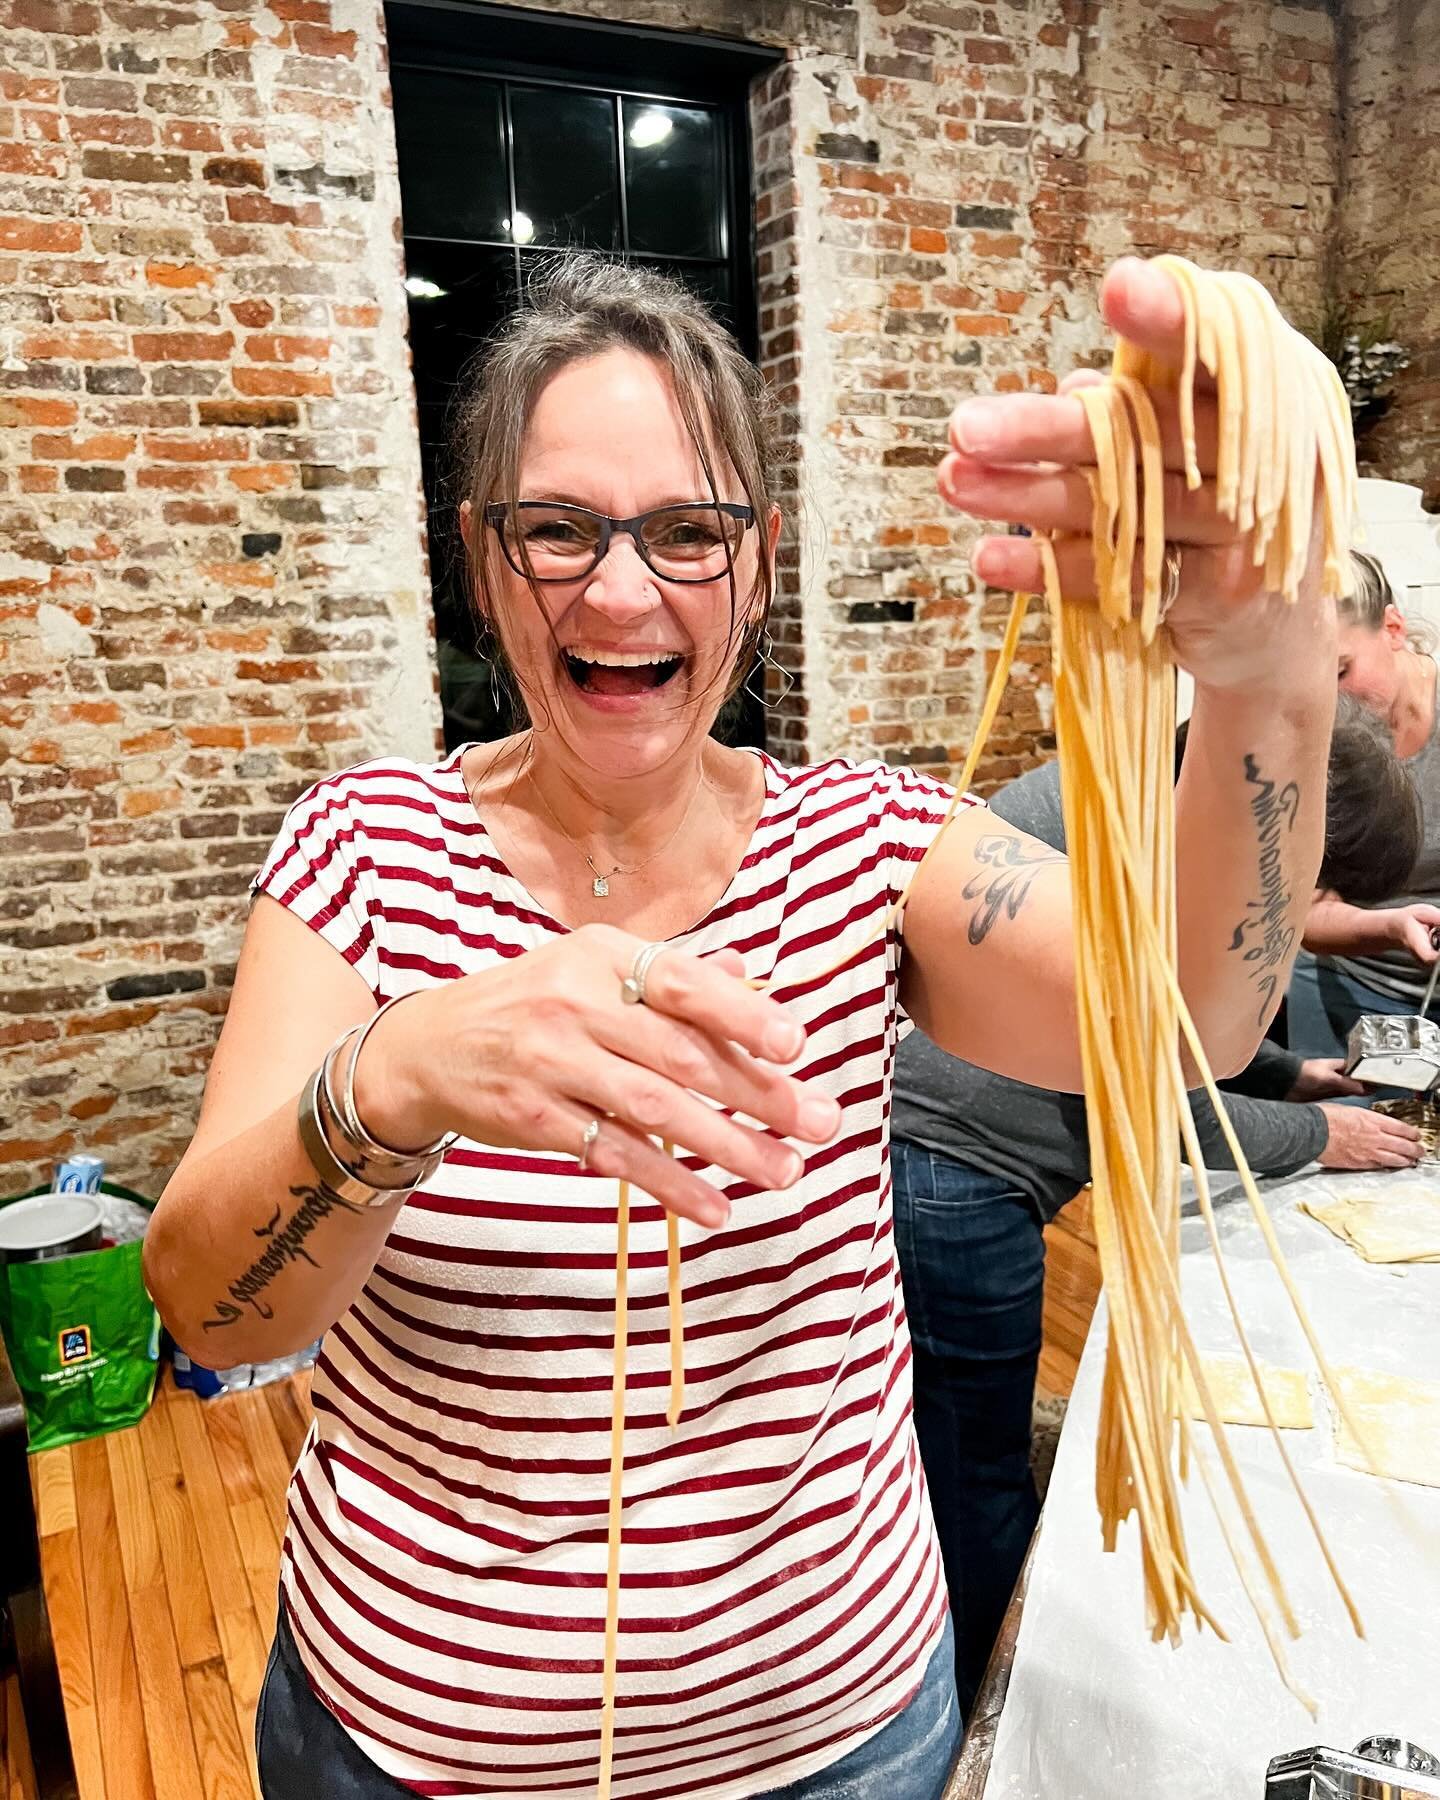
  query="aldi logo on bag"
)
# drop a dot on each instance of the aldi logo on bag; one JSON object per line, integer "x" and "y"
{"x": 74, "y": 1344}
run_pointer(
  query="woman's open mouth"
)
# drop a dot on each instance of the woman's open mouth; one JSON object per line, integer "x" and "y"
{"x": 617, "y": 675}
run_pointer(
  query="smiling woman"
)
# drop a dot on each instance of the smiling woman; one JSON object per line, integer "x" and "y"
{"x": 474, "y": 994}
{"x": 619, "y": 446}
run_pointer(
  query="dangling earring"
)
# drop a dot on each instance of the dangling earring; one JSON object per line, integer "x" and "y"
{"x": 485, "y": 648}
{"x": 766, "y": 659}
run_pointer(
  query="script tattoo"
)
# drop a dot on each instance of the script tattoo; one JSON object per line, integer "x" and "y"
{"x": 1264, "y": 936}
{"x": 284, "y": 1244}
{"x": 1003, "y": 884}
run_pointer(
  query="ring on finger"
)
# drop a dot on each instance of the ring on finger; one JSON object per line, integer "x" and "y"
{"x": 632, "y": 988}
{"x": 587, "y": 1142}
{"x": 1170, "y": 583}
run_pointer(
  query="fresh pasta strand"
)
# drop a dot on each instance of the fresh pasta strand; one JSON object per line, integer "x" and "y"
{"x": 1282, "y": 411}
{"x": 615, "y": 1514}
{"x": 677, "y": 1320}
{"x": 617, "y": 1485}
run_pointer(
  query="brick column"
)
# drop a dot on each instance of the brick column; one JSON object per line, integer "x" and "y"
{"x": 213, "y": 581}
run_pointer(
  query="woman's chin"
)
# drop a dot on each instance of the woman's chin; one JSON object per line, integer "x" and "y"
{"x": 631, "y": 734}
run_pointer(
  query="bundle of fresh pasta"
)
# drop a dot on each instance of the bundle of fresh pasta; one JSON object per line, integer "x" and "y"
{"x": 1281, "y": 414}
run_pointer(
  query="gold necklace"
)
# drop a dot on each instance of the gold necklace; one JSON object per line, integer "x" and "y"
{"x": 600, "y": 878}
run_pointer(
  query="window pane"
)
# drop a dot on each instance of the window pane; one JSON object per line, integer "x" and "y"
{"x": 457, "y": 295}
{"x": 565, "y": 168}
{"x": 673, "y": 179}
{"x": 452, "y": 155}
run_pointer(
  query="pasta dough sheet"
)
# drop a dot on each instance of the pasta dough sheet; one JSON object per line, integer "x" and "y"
{"x": 1232, "y": 1388}
{"x": 1400, "y": 1420}
{"x": 1396, "y": 1228}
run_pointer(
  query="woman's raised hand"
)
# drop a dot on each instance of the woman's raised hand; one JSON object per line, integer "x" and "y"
{"x": 1022, "y": 458}
{"x": 529, "y": 1054}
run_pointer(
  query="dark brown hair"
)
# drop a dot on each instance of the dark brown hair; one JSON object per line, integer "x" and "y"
{"x": 578, "y": 306}
{"x": 1373, "y": 822}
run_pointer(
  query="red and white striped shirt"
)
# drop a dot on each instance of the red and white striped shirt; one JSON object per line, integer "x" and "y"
{"x": 444, "y": 1566}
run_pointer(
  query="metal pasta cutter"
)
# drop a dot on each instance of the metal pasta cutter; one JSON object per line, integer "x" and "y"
{"x": 1395, "y": 1050}
{"x": 1379, "y": 1768}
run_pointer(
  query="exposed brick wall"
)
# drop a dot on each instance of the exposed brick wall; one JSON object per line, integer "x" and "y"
{"x": 980, "y": 165}
{"x": 211, "y": 582}
{"x": 1390, "y": 215}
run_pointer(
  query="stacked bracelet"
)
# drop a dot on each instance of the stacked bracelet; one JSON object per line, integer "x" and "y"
{"x": 347, "y": 1158}
{"x": 373, "y": 1149}
{"x": 332, "y": 1173}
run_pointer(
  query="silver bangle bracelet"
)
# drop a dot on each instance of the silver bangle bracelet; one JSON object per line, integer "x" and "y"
{"x": 350, "y": 1118}
{"x": 389, "y": 1172}
{"x": 329, "y": 1170}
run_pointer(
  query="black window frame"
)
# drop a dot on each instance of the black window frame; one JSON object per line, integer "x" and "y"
{"x": 622, "y": 62}
{"x": 558, "y": 51}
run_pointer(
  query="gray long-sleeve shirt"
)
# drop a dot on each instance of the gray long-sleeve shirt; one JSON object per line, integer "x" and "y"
{"x": 1037, "y": 1138}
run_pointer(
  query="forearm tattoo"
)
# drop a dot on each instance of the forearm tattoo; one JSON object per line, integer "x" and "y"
{"x": 285, "y": 1244}
{"x": 1002, "y": 885}
{"x": 1265, "y": 934}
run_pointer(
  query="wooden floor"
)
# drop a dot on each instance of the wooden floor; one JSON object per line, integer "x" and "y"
{"x": 161, "y": 1552}
{"x": 161, "y": 1549}
{"x": 1072, "y": 1285}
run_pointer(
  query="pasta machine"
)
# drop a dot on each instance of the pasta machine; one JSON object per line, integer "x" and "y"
{"x": 1379, "y": 1768}
{"x": 1399, "y": 1050}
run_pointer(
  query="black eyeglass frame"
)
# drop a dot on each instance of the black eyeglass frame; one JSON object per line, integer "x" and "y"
{"x": 498, "y": 512}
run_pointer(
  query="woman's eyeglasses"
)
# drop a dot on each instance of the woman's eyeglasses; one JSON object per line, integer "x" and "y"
{"x": 550, "y": 541}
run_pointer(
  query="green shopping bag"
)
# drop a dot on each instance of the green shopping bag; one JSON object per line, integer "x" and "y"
{"x": 83, "y": 1338}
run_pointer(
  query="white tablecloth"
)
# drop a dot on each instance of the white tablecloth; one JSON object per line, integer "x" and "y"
{"x": 1095, "y": 1711}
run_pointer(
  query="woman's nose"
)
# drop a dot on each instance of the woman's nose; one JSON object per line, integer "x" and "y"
{"x": 621, "y": 585}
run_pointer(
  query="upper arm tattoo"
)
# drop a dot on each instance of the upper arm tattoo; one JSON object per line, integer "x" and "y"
{"x": 1002, "y": 884}
{"x": 1265, "y": 934}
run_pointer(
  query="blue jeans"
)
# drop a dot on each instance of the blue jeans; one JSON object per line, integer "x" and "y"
{"x": 1323, "y": 1004}
{"x": 304, "y": 1751}
{"x": 972, "y": 1257}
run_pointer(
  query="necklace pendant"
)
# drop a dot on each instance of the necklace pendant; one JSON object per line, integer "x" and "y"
{"x": 600, "y": 888}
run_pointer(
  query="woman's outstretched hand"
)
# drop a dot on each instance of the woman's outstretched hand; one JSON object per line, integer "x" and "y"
{"x": 527, "y": 1055}
{"x": 1022, "y": 458}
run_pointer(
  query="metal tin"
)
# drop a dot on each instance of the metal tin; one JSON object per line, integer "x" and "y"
{"x": 1394, "y": 1050}
{"x": 79, "y": 1174}
{"x": 50, "y": 1225}
{"x": 1378, "y": 1769}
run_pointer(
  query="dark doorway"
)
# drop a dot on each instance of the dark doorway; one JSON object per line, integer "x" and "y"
{"x": 520, "y": 134}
